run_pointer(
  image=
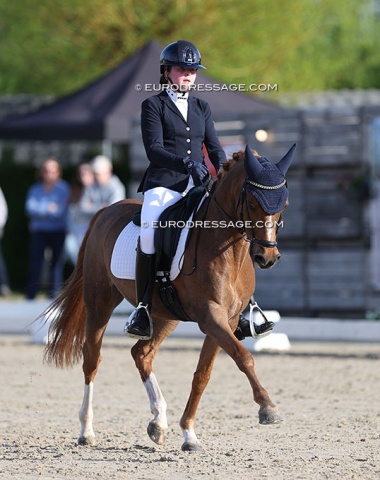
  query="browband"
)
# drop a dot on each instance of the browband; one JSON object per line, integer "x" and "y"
{"x": 265, "y": 187}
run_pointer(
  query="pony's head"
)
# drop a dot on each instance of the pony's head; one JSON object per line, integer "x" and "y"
{"x": 256, "y": 193}
{"x": 265, "y": 194}
{"x": 266, "y": 181}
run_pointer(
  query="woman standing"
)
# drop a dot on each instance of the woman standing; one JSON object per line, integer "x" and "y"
{"x": 80, "y": 211}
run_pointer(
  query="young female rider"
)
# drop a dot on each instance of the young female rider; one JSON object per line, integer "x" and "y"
{"x": 174, "y": 126}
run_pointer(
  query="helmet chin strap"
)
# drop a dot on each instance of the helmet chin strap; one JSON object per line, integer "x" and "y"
{"x": 177, "y": 90}
{"x": 170, "y": 80}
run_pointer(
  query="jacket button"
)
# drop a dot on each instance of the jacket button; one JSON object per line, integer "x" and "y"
{"x": 188, "y": 129}
{"x": 188, "y": 152}
{"x": 188, "y": 140}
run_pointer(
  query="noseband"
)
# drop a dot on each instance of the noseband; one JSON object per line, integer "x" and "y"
{"x": 242, "y": 200}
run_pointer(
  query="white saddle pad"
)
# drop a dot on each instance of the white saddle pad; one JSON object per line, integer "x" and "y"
{"x": 123, "y": 260}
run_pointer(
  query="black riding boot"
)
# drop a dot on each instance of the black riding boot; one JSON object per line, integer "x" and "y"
{"x": 244, "y": 328}
{"x": 139, "y": 324}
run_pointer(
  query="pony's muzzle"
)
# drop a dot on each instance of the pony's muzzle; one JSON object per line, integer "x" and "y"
{"x": 266, "y": 258}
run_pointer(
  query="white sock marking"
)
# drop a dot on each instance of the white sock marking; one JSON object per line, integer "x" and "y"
{"x": 86, "y": 413}
{"x": 157, "y": 402}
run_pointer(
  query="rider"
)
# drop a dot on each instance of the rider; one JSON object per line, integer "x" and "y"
{"x": 174, "y": 126}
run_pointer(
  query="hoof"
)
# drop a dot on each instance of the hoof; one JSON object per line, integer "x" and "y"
{"x": 268, "y": 416}
{"x": 191, "y": 447}
{"x": 156, "y": 433}
{"x": 87, "y": 440}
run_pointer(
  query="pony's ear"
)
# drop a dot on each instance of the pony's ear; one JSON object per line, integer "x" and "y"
{"x": 286, "y": 160}
{"x": 251, "y": 164}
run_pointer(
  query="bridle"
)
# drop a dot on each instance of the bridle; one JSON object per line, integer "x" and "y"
{"x": 243, "y": 202}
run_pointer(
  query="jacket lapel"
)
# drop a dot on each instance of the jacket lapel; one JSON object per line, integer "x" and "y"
{"x": 173, "y": 107}
{"x": 190, "y": 110}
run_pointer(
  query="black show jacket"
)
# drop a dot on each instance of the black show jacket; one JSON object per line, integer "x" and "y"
{"x": 168, "y": 139}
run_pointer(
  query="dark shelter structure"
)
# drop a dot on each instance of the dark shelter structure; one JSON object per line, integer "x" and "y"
{"x": 104, "y": 109}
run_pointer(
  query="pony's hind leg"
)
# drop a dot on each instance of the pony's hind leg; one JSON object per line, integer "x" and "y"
{"x": 86, "y": 415}
{"x": 158, "y": 426}
{"x": 143, "y": 353}
{"x": 200, "y": 380}
{"x": 91, "y": 361}
{"x": 97, "y": 318}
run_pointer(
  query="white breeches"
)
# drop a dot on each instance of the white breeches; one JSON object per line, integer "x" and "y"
{"x": 155, "y": 202}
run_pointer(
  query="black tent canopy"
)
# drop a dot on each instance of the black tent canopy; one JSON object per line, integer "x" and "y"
{"x": 105, "y": 109}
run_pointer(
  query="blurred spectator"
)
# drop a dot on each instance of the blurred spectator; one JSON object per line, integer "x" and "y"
{"x": 108, "y": 188}
{"x": 81, "y": 209}
{"x": 46, "y": 206}
{"x": 4, "y": 283}
{"x": 92, "y": 194}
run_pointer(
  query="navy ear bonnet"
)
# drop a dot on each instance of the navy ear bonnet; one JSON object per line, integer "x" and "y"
{"x": 266, "y": 181}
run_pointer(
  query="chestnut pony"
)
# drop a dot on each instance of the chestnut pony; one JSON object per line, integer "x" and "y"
{"x": 213, "y": 295}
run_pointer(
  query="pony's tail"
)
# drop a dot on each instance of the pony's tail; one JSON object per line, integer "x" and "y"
{"x": 67, "y": 331}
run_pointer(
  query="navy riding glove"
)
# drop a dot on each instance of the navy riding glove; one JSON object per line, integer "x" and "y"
{"x": 198, "y": 172}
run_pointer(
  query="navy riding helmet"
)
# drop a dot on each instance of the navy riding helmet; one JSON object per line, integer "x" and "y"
{"x": 180, "y": 54}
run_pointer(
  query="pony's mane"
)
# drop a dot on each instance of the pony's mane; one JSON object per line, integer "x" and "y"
{"x": 226, "y": 166}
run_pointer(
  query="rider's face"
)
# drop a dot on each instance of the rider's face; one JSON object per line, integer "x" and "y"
{"x": 183, "y": 77}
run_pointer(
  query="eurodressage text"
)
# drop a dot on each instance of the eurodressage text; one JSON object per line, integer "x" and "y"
{"x": 210, "y": 87}
{"x": 213, "y": 224}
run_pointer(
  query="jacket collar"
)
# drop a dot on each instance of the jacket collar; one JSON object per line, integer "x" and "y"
{"x": 165, "y": 97}
{"x": 174, "y": 96}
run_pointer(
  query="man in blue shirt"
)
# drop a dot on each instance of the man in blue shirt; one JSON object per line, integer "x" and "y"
{"x": 46, "y": 206}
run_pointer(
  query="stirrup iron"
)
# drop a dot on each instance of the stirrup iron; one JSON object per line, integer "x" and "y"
{"x": 262, "y": 330}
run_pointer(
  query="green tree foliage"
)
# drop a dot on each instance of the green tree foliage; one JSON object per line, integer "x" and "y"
{"x": 54, "y": 47}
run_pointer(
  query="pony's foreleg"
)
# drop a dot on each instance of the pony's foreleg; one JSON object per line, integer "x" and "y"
{"x": 226, "y": 339}
{"x": 200, "y": 380}
{"x": 143, "y": 354}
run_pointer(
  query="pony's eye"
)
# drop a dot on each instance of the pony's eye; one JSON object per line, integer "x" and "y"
{"x": 251, "y": 206}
